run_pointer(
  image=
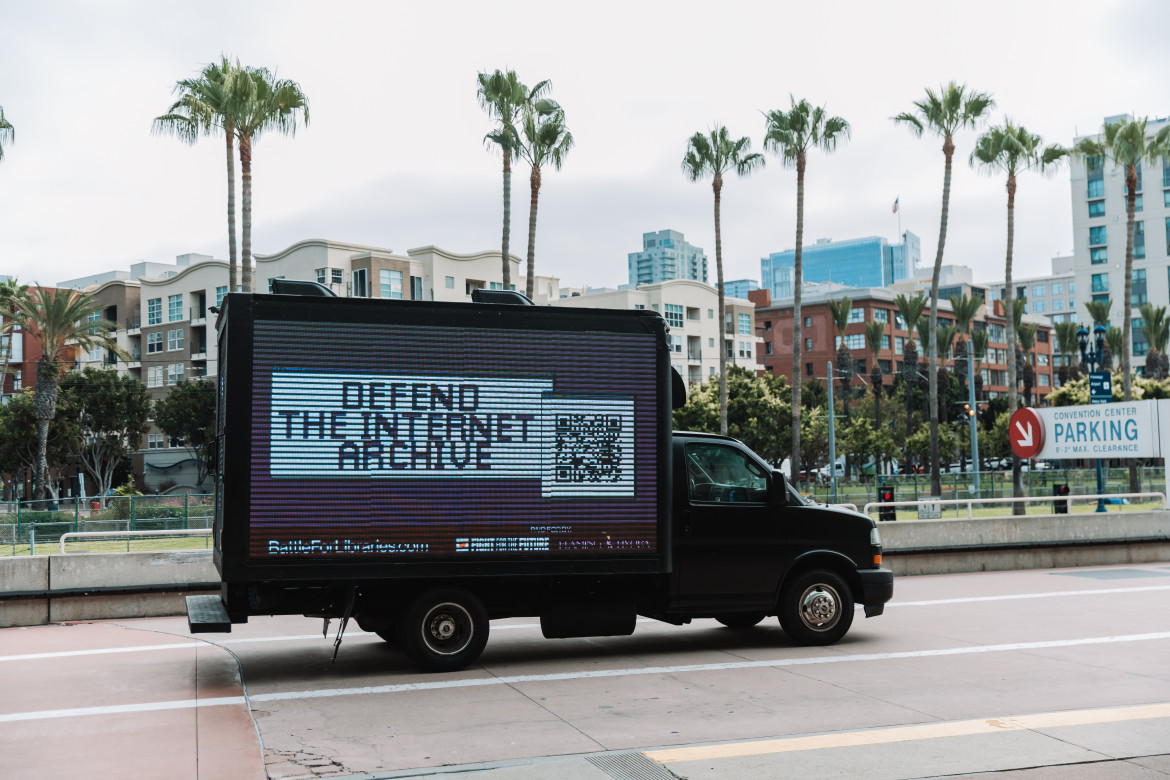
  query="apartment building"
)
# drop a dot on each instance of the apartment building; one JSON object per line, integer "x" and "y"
{"x": 666, "y": 255}
{"x": 690, "y": 309}
{"x": 876, "y": 304}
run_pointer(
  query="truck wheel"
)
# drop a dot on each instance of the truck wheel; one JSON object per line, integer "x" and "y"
{"x": 741, "y": 619}
{"x": 382, "y": 625}
{"x": 816, "y": 608}
{"x": 444, "y": 630}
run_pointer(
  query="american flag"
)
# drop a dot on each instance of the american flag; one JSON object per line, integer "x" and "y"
{"x": 895, "y": 205}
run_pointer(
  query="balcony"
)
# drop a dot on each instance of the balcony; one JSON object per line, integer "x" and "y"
{"x": 198, "y": 316}
{"x": 133, "y": 326}
{"x": 694, "y": 356}
{"x": 199, "y": 352}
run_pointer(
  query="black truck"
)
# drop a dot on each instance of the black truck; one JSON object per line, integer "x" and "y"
{"x": 426, "y": 467}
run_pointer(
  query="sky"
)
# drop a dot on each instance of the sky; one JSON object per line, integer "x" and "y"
{"x": 393, "y": 153}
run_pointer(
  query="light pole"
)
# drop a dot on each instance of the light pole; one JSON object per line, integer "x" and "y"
{"x": 1092, "y": 359}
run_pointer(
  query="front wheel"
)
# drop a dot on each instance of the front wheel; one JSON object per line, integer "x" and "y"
{"x": 816, "y": 608}
{"x": 444, "y": 630}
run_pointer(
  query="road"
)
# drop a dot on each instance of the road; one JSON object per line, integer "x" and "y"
{"x": 1034, "y": 675}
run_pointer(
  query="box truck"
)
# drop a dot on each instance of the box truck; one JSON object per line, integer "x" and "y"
{"x": 425, "y": 467}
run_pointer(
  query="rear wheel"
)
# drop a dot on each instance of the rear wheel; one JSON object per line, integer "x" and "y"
{"x": 741, "y": 619}
{"x": 444, "y": 630}
{"x": 816, "y": 608}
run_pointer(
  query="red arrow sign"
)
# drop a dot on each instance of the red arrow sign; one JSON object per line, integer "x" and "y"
{"x": 1026, "y": 433}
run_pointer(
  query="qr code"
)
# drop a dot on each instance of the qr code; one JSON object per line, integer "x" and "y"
{"x": 588, "y": 448}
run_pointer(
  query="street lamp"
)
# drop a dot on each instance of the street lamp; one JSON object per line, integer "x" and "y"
{"x": 1092, "y": 359}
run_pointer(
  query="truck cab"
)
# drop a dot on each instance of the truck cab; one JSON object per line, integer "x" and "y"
{"x": 747, "y": 545}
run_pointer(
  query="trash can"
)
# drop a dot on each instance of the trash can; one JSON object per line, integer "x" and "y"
{"x": 1060, "y": 507}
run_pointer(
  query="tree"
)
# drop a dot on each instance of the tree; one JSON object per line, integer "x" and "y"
{"x": 965, "y": 308}
{"x": 1066, "y": 344}
{"x": 953, "y": 108}
{"x": 757, "y": 411}
{"x": 7, "y": 132}
{"x": 548, "y": 141}
{"x": 187, "y": 415}
{"x": 911, "y": 311}
{"x": 19, "y": 438}
{"x": 792, "y": 134}
{"x": 874, "y": 333}
{"x": 1156, "y": 329}
{"x": 13, "y": 296}
{"x": 112, "y": 411}
{"x": 503, "y": 97}
{"x": 1125, "y": 145}
{"x": 840, "y": 310}
{"x": 1099, "y": 313}
{"x": 715, "y": 155}
{"x": 207, "y": 105}
{"x": 267, "y": 103}
{"x": 1026, "y": 338}
{"x": 60, "y": 321}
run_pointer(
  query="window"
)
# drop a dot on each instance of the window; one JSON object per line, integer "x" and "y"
{"x": 1140, "y": 345}
{"x": 857, "y": 315}
{"x": 1038, "y": 307}
{"x": 1042, "y": 336}
{"x": 1096, "y": 208}
{"x": 881, "y": 315}
{"x": 884, "y": 366}
{"x": 808, "y": 322}
{"x": 767, "y": 326}
{"x": 675, "y": 344}
{"x": 855, "y": 341}
{"x": 1098, "y": 256}
{"x": 711, "y": 343}
{"x": 1100, "y": 298}
{"x": 1039, "y": 290}
{"x": 899, "y": 343}
{"x": 1137, "y": 203}
{"x": 1138, "y": 292}
{"x": 154, "y": 376}
{"x": 174, "y": 339}
{"x": 360, "y": 284}
{"x": 693, "y": 316}
{"x": 808, "y": 345}
{"x": 155, "y": 441}
{"x": 1096, "y": 188}
{"x": 885, "y": 342}
{"x": 154, "y": 311}
{"x": 1139, "y": 240}
{"x": 1057, "y": 304}
{"x": 175, "y": 308}
{"x": 808, "y": 369}
{"x": 745, "y": 349}
{"x": 899, "y": 323}
{"x": 16, "y": 377}
{"x": 219, "y": 293}
{"x": 323, "y": 276}
{"x": 711, "y": 371}
{"x": 1072, "y": 287}
{"x": 154, "y": 342}
{"x": 390, "y": 284}
{"x": 767, "y": 348}
{"x": 674, "y": 315}
{"x": 416, "y": 293}
{"x": 745, "y": 324}
{"x": 174, "y": 373}
{"x": 1057, "y": 288}
{"x": 1097, "y": 235}
{"x": 1100, "y": 283}
{"x": 93, "y": 354}
{"x": 995, "y": 332}
{"x": 1041, "y": 359}
{"x": 1042, "y": 380}
{"x": 710, "y": 314}
{"x": 1166, "y": 198}
{"x": 449, "y": 282}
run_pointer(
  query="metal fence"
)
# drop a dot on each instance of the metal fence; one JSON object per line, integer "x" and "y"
{"x": 26, "y": 524}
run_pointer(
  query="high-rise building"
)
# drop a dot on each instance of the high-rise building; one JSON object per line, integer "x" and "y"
{"x": 855, "y": 262}
{"x": 739, "y": 288}
{"x": 666, "y": 255}
{"x": 1099, "y": 237}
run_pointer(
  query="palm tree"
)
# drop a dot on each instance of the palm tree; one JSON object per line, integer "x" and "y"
{"x": 714, "y": 155}
{"x": 946, "y": 340}
{"x": 978, "y": 352}
{"x": 268, "y": 104}
{"x": 839, "y": 310}
{"x": 791, "y": 135}
{"x": 1066, "y": 344}
{"x": 1156, "y": 329}
{"x": 13, "y": 298}
{"x": 965, "y": 309}
{"x": 874, "y": 334}
{"x": 60, "y": 321}
{"x": 1125, "y": 145}
{"x": 953, "y": 108}
{"x": 911, "y": 311}
{"x": 7, "y": 132}
{"x": 1026, "y": 338}
{"x": 206, "y": 106}
{"x": 548, "y": 141}
{"x": 503, "y": 97}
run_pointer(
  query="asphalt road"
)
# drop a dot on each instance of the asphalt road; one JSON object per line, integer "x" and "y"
{"x": 1030, "y": 675}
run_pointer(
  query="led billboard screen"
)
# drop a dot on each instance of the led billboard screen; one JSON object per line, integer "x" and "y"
{"x": 403, "y": 441}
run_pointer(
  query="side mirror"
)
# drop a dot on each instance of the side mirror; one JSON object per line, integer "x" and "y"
{"x": 778, "y": 489}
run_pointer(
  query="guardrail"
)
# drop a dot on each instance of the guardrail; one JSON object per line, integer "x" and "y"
{"x": 845, "y": 506}
{"x": 969, "y": 502}
{"x": 127, "y": 534}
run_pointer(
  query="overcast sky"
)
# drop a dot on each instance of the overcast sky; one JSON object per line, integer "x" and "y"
{"x": 393, "y": 155}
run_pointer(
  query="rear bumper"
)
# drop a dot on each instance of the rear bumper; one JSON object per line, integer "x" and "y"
{"x": 877, "y": 587}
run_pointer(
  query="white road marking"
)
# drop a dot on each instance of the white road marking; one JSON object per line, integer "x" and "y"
{"x": 1013, "y": 596}
{"x": 579, "y": 675}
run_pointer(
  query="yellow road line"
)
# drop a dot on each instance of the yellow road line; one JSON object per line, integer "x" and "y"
{"x": 910, "y": 733}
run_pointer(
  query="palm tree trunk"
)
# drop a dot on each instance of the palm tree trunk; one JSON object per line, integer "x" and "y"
{"x": 1008, "y": 305}
{"x": 721, "y": 342}
{"x": 1126, "y": 306}
{"x": 797, "y": 284}
{"x": 233, "y": 267}
{"x": 246, "y": 233}
{"x": 505, "y": 258}
{"x": 44, "y": 409}
{"x": 534, "y": 185}
{"x": 932, "y": 354}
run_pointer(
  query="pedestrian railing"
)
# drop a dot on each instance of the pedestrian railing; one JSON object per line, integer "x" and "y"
{"x": 128, "y": 534}
{"x": 970, "y": 502}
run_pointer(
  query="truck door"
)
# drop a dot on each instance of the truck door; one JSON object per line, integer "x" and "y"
{"x": 729, "y": 544}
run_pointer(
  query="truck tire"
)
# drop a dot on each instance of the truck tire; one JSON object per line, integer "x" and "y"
{"x": 444, "y": 630}
{"x": 816, "y": 608}
{"x": 382, "y": 625}
{"x": 740, "y": 619}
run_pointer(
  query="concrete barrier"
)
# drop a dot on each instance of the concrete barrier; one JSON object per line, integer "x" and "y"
{"x": 165, "y": 575}
{"x": 1025, "y": 542}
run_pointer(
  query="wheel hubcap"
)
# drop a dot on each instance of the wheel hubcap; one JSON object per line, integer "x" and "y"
{"x": 820, "y": 607}
{"x": 447, "y": 629}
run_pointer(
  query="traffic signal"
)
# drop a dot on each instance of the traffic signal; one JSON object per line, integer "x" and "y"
{"x": 1060, "y": 507}
{"x": 967, "y": 410}
{"x": 885, "y": 495}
